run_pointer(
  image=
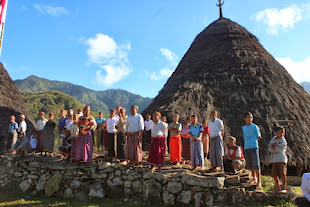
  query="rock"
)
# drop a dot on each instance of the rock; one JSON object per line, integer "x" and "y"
{"x": 41, "y": 183}
{"x": 53, "y": 184}
{"x": 133, "y": 176}
{"x": 118, "y": 173}
{"x": 208, "y": 199}
{"x": 81, "y": 195}
{"x": 147, "y": 175}
{"x": 35, "y": 164}
{"x": 35, "y": 177}
{"x": 137, "y": 186}
{"x": 152, "y": 190}
{"x": 75, "y": 184}
{"x": 127, "y": 184}
{"x": 198, "y": 199}
{"x": 24, "y": 186}
{"x": 197, "y": 180}
{"x": 233, "y": 181}
{"x": 68, "y": 193}
{"x": 108, "y": 169}
{"x": 18, "y": 174}
{"x": 196, "y": 189}
{"x": 174, "y": 187}
{"x": 168, "y": 198}
{"x": 259, "y": 196}
{"x": 185, "y": 197}
{"x": 128, "y": 192}
{"x": 117, "y": 181}
{"x": 96, "y": 191}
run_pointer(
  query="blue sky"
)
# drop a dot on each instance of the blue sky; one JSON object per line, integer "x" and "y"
{"x": 135, "y": 45}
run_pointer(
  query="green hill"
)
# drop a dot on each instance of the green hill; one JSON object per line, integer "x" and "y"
{"x": 98, "y": 100}
{"x": 51, "y": 101}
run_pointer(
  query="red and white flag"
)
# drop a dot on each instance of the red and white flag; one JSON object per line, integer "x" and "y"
{"x": 3, "y": 7}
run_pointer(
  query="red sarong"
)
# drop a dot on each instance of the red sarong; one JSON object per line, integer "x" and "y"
{"x": 157, "y": 151}
{"x": 175, "y": 148}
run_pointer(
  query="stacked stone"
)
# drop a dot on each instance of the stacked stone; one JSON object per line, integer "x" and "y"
{"x": 88, "y": 181}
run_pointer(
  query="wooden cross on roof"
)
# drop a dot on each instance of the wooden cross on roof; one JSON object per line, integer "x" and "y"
{"x": 220, "y": 7}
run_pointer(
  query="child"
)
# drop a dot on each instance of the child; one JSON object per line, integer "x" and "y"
{"x": 100, "y": 133}
{"x": 33, "y": 141}
{"x": 277, "y": 148}
{"x": 22, "y": 144}
{"x": 74, "y": 131}
{"x": 111, "y": 129}
{"x": 195, "y": 130}
{"x": 233, "y": 158}
{"x": 205, "y": 138}
{"x": 251, "y": 135}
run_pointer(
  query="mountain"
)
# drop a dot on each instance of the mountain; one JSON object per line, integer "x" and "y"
{"x": 51, "y": 101}
{"x": 306, "y": 86}
{"x": 98, "y": 100}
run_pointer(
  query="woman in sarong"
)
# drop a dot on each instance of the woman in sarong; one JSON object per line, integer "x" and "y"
{"x": 49, "y": 135}
{"x": 40, "y": 127}
{"x": 157, "y": 149}
{"x": 84, "y": 142}
{"x": 121, "y": 126}
{"x": 186, "y": 143}
{"x": 175, "y": 144}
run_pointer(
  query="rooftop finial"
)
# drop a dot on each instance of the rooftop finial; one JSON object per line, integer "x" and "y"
{"x": 220, "y": 6}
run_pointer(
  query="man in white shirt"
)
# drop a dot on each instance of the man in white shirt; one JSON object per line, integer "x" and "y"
{"x": 117, "y": 111}
{"x": 216, "y": 153}
{"x": 134, "y": 133}
{"x": 111, "y": 129}
{"x": 22, "y": 125}
{"x": 147, "y": 132}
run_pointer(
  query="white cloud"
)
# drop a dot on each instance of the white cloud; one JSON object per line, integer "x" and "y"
{"x": 171, "y": 61}
{"x": 163, "y": 73}
{"x": 111, "y": 57}
{"x": 50, "y": 10}
{"x": 282, "y": 19}
{"x": 300, "y": 71}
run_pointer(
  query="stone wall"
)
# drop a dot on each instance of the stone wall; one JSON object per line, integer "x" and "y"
{"x": 88, "y": 181}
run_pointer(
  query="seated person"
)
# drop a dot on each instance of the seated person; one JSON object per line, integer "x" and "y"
{"x": 22, "y": 144}
{"x": 233, "y": 158}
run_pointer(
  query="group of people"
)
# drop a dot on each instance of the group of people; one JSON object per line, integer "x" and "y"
{"x": 125, "y": 137}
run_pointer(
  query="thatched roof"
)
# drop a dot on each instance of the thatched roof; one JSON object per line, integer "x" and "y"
{"x": 228, "y": 70}
{"x": 11, "y": 102}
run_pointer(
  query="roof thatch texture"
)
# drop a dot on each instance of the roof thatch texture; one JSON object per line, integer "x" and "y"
{"x": 228, "y": 70}
{"x": 11, "y": 102}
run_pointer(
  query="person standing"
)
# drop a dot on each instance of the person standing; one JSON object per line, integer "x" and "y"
{"x": 147, "y": 132}
{"x": 167, "y": 137}
{"x": 100, "y": 133}
{"x": 195, "y": 130}
{"x": 157, "y": 149}
{"x": 84, "y": 142}
{"x": 22, "y": 124}
{"x": 49, "y": 134}
{"x": 205, "y": 138}
{"x": 216, "y": 151}
{"x": 61, "y": 127}
{"x": 13, "y": 127}
{"x": 175, "y": 144}
{"x": 251, "y": 135}
{"x": 277, "y": 147}
{"x": 121, "y": 126}
{"x": 134, "y": 133}
{"x": 186, "y": 143}
{"x": 111, "y": 129}
{"x": 40, "y": 127}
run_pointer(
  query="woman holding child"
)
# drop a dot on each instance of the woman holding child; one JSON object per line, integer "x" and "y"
{"x": 84, "y": 142}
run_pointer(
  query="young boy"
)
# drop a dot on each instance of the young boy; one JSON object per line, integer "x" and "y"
{"x": 100, "y": 133}
{"x": 33, "y": 141}
{"x": 195, "y": 130}
{"x": 205, "y": 138}
{"x": 111, "y": 128}
{"x": 277, "y": 148}
{"x": 233, "y": 158}
{"x": 251, "y": 135}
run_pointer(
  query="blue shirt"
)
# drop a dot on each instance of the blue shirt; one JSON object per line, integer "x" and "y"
{"x": 250, "y": 135}
{"x": 62, "y": 123}
{"x": 13, "y": 127}
{"x": 195, "y": 131}
{"x": 100, "y": 120}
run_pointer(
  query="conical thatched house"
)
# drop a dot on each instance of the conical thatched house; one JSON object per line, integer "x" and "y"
{"x": 11, "y": 102}
{"x": 228, "y": 70}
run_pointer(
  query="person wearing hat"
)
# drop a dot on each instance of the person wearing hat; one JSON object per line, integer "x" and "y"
{"x": 22, "y": 124}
